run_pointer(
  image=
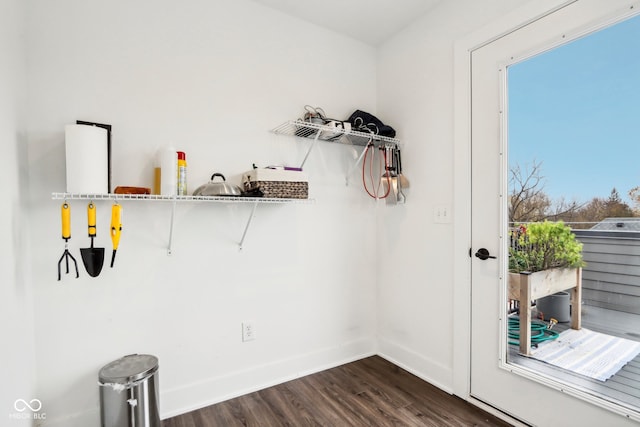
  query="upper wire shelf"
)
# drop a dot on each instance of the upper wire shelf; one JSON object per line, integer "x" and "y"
{"x": 169, "y": 198}
{"x": 326, "y": 133}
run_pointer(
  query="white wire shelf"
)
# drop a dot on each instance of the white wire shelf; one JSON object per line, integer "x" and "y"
{"x": 253, "y": 201}
{"x": 304, "y": 129}
{"x": 168, "y": 198}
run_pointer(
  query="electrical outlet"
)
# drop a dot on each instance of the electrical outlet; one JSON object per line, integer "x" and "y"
{"x": 248, "y": 332}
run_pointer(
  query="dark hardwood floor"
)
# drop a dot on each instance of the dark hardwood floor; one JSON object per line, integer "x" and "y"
{"x": 369, "y": 392}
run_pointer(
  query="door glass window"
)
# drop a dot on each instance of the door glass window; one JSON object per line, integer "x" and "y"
{"x": 574, "y": 200}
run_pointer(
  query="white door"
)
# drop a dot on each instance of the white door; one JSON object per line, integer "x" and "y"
{"x": 536, "y": 401}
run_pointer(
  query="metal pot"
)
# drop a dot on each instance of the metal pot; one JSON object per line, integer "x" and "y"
{"x": 217, "y": 188}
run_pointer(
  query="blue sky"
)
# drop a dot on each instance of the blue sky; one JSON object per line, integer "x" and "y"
{"x": 576, "y": 109}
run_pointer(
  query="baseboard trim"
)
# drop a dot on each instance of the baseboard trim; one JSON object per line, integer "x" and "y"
{"x": 194, "y": 396}
{"x": 210, "y": 391}
{"x": 426, "y": 369}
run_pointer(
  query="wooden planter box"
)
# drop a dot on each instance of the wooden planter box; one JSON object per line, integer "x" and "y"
{"x": 525, "y": 287}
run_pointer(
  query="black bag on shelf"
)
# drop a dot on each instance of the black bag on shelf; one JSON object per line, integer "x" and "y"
{"x": 364, "y": 122}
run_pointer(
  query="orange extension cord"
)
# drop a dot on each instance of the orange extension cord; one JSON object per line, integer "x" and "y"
{"x": 372, "y": 193}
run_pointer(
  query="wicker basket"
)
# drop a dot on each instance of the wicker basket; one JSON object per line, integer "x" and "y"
{"x": 277, "y": 183}
{"x": 280, "y": 189}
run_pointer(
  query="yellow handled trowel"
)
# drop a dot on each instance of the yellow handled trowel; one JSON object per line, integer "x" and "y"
{"x": 92, "y": 258}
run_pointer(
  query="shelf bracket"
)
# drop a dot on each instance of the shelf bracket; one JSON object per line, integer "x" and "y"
{"x": 246, "y": 228}
{"x": 355, "y": 165}
{"x": 173, "y": 214}
{"x": 315, "y": 139}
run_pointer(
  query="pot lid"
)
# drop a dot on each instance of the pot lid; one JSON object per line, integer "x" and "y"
{"x": 129, "y": 368}
{"x": 217, "y": 188}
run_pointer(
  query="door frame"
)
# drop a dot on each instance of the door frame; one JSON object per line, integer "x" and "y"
{"x": 530, "y": 12}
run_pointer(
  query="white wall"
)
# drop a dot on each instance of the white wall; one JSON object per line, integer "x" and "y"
{"x": 211, "y": 78}
{"x": 16, "y": 316}
{"x": 415, "y": 90}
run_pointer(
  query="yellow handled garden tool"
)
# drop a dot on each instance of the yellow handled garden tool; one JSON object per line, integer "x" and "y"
{"x": 116, "y": 229}
{"x": 92, "y": 258}
{"x": 66, "y": 235}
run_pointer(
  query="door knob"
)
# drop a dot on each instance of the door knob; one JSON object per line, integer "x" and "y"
{"x": 484, "y": 254}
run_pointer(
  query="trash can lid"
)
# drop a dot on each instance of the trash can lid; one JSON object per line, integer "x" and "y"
{"x": 129, "y": 368}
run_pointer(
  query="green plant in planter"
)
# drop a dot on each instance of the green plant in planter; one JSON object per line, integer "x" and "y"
{"x": 543, "y": 245}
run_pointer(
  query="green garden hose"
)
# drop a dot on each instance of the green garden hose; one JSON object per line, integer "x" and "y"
{"x": 539, "y": 332}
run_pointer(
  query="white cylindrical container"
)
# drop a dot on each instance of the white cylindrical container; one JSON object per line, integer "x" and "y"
{"x": 87, "y": 157}
{"x": 168, "y": 171}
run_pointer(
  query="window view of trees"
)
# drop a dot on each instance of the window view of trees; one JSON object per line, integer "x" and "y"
{"x": 528, "y": 202}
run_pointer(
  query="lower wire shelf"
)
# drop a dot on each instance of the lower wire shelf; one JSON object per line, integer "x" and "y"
{"x": 254, "y": 201}
{"x": 169, "y": 198}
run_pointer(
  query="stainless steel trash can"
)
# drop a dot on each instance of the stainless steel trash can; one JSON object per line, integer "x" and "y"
{"x": 129, "y": 392}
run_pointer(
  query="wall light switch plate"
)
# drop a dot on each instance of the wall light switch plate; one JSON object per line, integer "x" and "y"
{"x": 442, "y": 214}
